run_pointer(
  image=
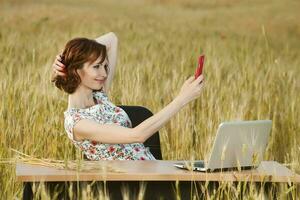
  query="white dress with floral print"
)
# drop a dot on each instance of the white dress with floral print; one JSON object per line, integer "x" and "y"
{"x": 104, "y": 112}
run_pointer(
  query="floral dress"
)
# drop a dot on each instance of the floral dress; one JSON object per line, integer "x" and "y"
{"x": 104, "y": 112}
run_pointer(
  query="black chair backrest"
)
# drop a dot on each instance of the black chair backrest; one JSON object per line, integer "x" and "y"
{"x": 137, "y": 115}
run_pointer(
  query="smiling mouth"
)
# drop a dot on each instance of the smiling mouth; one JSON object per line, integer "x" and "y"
{"x": 101, "y": 81}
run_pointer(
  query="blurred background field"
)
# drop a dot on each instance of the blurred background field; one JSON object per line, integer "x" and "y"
{"x": 252, "y": 71}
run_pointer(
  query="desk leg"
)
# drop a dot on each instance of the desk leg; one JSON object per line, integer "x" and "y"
{"x": 159, "y": 189}
{"x": 196, "y": 189}
{"x": 50, "y": 188}
{"x": 59, "y": 189}
{"x": 27, "y": 191}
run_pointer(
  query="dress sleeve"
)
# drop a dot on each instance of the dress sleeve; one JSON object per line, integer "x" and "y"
{"x": 70, "y": 120}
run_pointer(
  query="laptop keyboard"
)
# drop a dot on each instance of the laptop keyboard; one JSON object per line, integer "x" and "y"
{"x": 198, "y": 163}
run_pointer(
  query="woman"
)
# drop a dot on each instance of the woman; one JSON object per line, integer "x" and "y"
{"x": 100, "y": 129}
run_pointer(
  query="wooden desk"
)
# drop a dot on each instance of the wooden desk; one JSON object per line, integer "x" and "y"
{"x": 157, "y": 171}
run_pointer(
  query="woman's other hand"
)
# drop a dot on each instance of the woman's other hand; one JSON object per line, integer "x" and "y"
{"x": 191, "y": 89}
{"x": 58, "y": 67}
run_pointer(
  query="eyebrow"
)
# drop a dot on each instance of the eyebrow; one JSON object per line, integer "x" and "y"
{"x": 99, "y": 63}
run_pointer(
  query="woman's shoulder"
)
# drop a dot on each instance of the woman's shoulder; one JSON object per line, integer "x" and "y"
{"x": 75, "y": 114}
{"x": 72, "y": 114}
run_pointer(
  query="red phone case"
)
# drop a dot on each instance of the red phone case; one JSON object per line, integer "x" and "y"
{"x": 198, "y": 71}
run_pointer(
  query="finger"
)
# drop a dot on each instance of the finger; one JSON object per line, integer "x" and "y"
{"x": 58, "y": 57}
{"x": 189, "y": 80}
{"x": 199, "y": 79}
{"x": 61, "y": 74}
{"x": 200, "y": 86}
{"x": 201, "y": 83}
{"x": 60, "y": 64}
{"x": 56, "y": 72}
{"x": 59, "y": 68}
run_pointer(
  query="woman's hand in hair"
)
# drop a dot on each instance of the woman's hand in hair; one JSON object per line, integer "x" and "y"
{"x": 58, "y": 67}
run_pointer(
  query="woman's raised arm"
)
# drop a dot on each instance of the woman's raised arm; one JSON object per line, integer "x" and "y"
{"x": 110, "y": 40}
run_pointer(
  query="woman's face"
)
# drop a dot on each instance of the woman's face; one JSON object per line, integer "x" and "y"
{"x": 93, "y": 75}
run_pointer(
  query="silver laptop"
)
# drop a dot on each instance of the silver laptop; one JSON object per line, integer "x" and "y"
{"x": 238, "y": 145}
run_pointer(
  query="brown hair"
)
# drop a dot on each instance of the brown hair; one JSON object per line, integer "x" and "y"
{"x": 77, "y": 52}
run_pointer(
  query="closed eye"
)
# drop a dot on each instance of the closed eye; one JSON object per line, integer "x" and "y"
{"x": 97, "y": 66}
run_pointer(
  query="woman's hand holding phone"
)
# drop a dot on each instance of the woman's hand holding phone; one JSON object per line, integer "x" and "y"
{"x": 193, "y": 86}
{"x": 191, "y": 89}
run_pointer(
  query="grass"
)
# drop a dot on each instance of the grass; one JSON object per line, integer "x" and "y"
{"x": 251, "y": 71}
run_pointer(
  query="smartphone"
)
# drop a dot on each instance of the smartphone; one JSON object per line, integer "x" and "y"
{"x": 199, "y": 68}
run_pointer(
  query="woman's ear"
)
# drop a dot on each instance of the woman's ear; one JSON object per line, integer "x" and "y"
{"x": 79, "y": 72}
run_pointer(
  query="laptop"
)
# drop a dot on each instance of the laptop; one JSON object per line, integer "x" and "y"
{"x": 238, "y": 145}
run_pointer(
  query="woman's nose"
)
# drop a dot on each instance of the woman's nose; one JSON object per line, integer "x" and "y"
{"x": 103, "y": 72}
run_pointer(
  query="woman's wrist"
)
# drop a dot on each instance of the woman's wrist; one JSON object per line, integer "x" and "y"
{"x": 105, "y": 40}
{"x": 180, "y": 100}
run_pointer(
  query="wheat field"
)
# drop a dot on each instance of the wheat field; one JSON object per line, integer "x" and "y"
{"x": 251, "y": 70}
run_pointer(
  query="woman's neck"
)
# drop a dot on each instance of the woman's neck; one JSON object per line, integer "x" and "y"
{"x": 81, "y": 98}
